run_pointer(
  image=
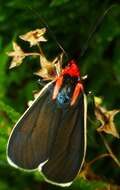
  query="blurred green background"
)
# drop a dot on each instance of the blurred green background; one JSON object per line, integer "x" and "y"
{"x": 71, "y": 22}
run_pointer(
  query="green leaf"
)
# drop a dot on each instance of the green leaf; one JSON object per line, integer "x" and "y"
{"x": 83, "y": 184}
{"x": 58, "y": 2}
{"x": 11, "y": 113}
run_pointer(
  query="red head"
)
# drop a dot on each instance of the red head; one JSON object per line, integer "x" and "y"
{"x": 71, "y": 69}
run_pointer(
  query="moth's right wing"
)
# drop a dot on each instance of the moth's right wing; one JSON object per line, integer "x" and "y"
{"x": 32, "y": 137}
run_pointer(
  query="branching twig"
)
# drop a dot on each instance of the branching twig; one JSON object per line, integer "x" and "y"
{"x": 109, "y": 150}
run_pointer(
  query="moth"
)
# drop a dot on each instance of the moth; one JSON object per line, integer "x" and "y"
{"x": 51, "y": 134}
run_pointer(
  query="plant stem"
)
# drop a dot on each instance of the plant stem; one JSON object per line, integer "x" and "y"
{"x": 33, "y": 54}
{"x": 98, "y": 157}
{"x": 109, "y": 150}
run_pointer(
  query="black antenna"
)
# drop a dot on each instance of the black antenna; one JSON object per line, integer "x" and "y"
{"x": 94, "y": 28}
{"x": 43, "y": 21}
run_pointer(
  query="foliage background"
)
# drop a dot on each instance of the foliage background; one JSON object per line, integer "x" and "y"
{"x": 71, "y": 21}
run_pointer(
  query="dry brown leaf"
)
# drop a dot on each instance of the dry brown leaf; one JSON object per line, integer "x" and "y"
{"x": 87, "y": 173}
{"x": 34, "y": 37}
{"x": 35, "y": 95}
{"x": 18, "y": 55}
{"x": 47, "y": 70}
{"x": 107, "y": 120}
{"x": 58, "y": 61}
{"x": 50, "y": 69}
